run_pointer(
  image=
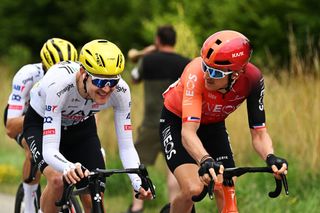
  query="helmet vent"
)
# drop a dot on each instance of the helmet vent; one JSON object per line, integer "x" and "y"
{"x": 226, "y": 62}
{"x": 118, "y": 58}
{"x": 210, "y": 51}
{"x": 102, "y": 41}
{"x": 102, "y": 61}
{"x": 57, "y": 49}
{"x": 69, "y": 52}
{"x": 218, "y": 41}
{"x": 87, "y": 62}
{"x": 88, "y": 52}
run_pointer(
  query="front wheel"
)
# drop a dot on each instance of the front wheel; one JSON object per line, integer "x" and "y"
{"x": 19, "y": 201}
{"x": 75, "y": 205}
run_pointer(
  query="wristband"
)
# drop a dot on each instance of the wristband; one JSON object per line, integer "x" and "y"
{"x": 205, "y": 157}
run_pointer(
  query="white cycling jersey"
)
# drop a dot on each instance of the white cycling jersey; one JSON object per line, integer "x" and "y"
{"x": 56, "y": 98}
{"x": 22, "y": 83}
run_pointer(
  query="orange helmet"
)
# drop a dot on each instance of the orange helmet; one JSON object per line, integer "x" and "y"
{"x": 226, "y": 50}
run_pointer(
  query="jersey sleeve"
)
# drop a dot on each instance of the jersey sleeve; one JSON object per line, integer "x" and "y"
{"x": 52, "y": 129}
{"x": 192, "y": 80}
{"x": 255, "y": 106}
{"x": 121, "y": 100}
{"x": 21, "y": 85}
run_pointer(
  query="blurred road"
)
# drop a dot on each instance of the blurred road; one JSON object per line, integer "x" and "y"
{"x": 6, "y": 203}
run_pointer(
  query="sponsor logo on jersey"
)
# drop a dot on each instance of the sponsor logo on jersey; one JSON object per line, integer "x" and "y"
{"x": 237, "y": 98}
{"x": 219, "y": 108}
{"x": 56, "y": 156}
{"x": 49, "y": 132}
{"x": 18, "y": 87}
{"x": 127, "y": 127}
{"x": 15, "y": 107}
{"x": 168, "y": 143}
{"x": 212, "y": 96}
{"x": 121, "y": 89}
{"x": 16, "y": 97}
{"x": 261, "y": 106}
{"x": 64, "y": 90}
{"x": 27, "y": 80}
{"x": 78, "y": 115}
{"x": 51, "y": 108}
{"x": 190, "y": 84}
{"x": 75, "y": 100}
{"x": 220, "y": 158}
{"x": 38, "y": 74}
{"x": 47, "y": 119}
{"x": 34, "y": 151}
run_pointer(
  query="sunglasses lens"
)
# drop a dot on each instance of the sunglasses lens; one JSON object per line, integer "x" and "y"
{"x": 105, "y": 82}
{"x": 215, "y": 73}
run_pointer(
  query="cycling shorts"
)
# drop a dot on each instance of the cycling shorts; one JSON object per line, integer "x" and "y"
{"x": 214, "y": 138}
{"x": 79, "y": 143}
{"x": 19, "y": 137}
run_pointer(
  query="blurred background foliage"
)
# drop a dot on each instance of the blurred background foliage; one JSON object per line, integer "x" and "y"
{"x": 285, "y": 36}
{"x": 271, "y": 25}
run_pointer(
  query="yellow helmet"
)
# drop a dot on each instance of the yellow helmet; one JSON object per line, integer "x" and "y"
{"x": 102, "y": 57}
{"x": 56, "y": 50}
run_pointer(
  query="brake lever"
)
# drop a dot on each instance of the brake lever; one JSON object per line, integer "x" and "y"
{"x": 146, "y": 182}
{"x": 210, "y": 189}
{"x": 285, "y": 183}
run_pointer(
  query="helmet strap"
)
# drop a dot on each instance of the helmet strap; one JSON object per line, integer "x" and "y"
{"x": 231, "y": 80}
{"x": 85, "y": 83}
{"x": 230, "y": 83}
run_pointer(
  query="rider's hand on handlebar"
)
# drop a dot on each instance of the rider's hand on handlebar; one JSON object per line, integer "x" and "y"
{"x": 209, "y": 169}
{"x": 278, "y": 165}
{"x": 75, "y": 173}
{"x": 144, "y": 195}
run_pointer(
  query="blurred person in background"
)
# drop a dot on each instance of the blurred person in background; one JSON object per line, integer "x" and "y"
{"x": 158, "y": 66}
{"x": 53, "y": 51}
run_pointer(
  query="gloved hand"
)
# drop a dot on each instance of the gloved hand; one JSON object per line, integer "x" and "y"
{"x": 205, "y": 166}
{"x": 277, "y": 161}
{"x": 278, "y": 165}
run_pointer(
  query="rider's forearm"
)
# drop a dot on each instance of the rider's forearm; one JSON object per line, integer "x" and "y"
{"x": 128, "y": 154}
{"x": 262, "y": 142}
{"x": 130, "y": 159}
{"x": 193, "y": 145}
{"x": 14, "y": 126}
{"x": 54, "y": 158}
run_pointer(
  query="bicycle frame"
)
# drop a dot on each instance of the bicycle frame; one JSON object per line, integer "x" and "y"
{"x": 229, "y": 197}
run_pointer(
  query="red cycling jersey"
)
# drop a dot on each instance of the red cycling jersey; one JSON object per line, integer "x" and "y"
{"x": 189, "y": 99}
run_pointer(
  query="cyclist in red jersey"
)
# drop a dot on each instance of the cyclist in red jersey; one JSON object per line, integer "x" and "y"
{"x": 192, "y": 124}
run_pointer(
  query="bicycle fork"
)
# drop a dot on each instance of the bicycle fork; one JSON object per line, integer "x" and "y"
{"x": 96, "y": 197}
{"x": 228, "y": 197}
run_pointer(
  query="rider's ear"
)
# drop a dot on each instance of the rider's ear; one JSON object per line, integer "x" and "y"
{"x": 235, "y": 75}
{"x": 83, "y": 72}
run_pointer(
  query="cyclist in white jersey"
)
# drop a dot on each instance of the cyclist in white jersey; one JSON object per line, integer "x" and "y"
{"x": 54, "y": 50}
{"x": 59, "y": 125}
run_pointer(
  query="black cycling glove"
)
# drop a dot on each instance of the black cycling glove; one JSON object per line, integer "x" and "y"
{"x": 207, "y": 164}
{"x": 274, "y": 160}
